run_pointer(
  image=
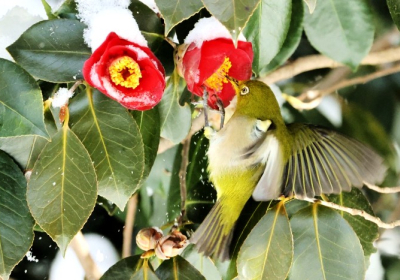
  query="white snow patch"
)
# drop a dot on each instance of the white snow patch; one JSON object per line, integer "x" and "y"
{"x": 112, "y": 91}
{"x": 105, "y": 16}
{"x": 139, "y": 53}
{"x": 101, "y": 250}
{"x": 207, "y": 29}
{"x": 61, "y": 97}
{"x": 30, "y": 257}
{"x": 332, "y": 110}
{"x": 94, "y": 76}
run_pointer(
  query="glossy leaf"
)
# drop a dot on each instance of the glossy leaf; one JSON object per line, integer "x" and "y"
{"x": 251, "y": 214}
{"x": 325, "y": 246}
{"x": 25, "y": 150}
{"x": 175, "y": 119}
{"x": 311, "y": 4}
{"x": 16, "y": 222}
{"x": 340, "y": 29}
{"x": 67, "y": 10}
{"x": 132, "y": 268}
{"x": 174, "y": 12}
{"x": 178, "y": 268}
{"x": 233, "y": 14}
{"x": 267, "y": 29}
{"x": 62, "y": 190}
{"x": 149, "y": 127}
{"x": 203, "y": 264}
{"x": 267, "y": 251}
{"x": 52, "y": 50}
{"x": 394, "y": 9}
{"x": 21, "y": 103}
{"x": 293, "y": 37}
{"x": 366, "y": 231}
{"x": 113, "y": 140}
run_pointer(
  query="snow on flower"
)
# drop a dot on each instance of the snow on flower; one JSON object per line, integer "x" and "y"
{"x": 105, "y": 16}
{"x": 209, "y": 56}
{"x": 127, "y": 72}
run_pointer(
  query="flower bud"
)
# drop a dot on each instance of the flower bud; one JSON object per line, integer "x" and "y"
{"x": 147, "y": 238}
{"x": 171, "y": 245}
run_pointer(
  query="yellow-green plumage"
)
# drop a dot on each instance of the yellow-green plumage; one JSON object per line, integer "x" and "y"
{"x": 257, "y": 154}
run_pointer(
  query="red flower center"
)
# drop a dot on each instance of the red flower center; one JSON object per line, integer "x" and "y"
{"x": 216, "y": 80}
{"x": 124, "y": 71}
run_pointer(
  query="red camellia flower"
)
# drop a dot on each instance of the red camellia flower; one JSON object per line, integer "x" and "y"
{"x": 208, "y": 63}
{"x": 126, "y": 72}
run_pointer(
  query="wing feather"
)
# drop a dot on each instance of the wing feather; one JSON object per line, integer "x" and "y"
{"x": 325, "y": 162}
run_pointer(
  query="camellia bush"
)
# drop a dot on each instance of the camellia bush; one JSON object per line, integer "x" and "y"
{"x": 104, "y": 107}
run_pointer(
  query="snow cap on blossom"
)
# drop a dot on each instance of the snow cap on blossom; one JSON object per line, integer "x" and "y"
{"x": 105, "y": 16}
{"x": 207, "y": 29}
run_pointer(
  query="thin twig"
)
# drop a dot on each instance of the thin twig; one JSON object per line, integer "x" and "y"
{"x": 81, "y": 249}
{"x": 129, "y": 223}
{"x": 354, "y": 212}
{"x": 314, "y": 97}
{"x": 76, "y": 85}
{"x": 313, "y": 62}
{"x": 182, "y": 177}
{"x": 382, "y": 189}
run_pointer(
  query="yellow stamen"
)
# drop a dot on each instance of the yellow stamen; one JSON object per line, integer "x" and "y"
{"x": 216, "y": 80}
{"x": 125, "y": 71}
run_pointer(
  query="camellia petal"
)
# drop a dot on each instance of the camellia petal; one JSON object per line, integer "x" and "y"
{"x": 126, "y": 72}
{"x": 207, "y": 66}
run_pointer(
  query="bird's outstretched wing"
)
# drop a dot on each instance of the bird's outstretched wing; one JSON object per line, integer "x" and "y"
{"x": 325, "y": 162}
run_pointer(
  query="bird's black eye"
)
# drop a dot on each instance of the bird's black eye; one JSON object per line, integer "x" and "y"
{"x": 245, "y": 90}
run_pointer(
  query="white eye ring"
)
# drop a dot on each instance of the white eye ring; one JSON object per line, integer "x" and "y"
{"x": 245, "y": 90}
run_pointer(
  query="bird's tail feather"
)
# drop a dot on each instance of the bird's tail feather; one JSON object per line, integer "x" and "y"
{"x": 213, "y": 237}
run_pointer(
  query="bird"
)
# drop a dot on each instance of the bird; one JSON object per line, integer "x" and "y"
{"x": 257, "y": 155}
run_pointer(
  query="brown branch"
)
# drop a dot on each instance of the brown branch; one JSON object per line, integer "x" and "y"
{"x": 314, "y": 62}
{"x": 382, "y": 189}
{"x": 81, "y": 249}
{"x": 314, "y": 97}
{"x": 76, "y": 85}
{"x": 354, "y": 212}
{"x": 129, "y": 223}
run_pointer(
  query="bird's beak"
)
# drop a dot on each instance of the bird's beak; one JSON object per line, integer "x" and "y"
{"x": 235, "y": 83}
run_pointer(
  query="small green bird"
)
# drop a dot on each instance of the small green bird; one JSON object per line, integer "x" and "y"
{"x": 257, "y": 154}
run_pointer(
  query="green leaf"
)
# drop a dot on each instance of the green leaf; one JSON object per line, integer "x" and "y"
{"x": 292, "y": 40}
{"x": 267, "y": 29}
{"x": 62, "y": 190}
{"x": 178, "y": 268}
{"x": 203, "y": 264}
{"x": 132, "y": 268}
{"x": 113, "y": 140}
{"x": 233, "y": 14}
{"x": 267, "y": 251}
{"x": 149, "y": 127}
{"x": 175, "y": 119}
{"x": 47, "y": 8}
{"x": 174, "y": 12}
{"x": 311, "y": 4}
{"x": 52, "y": 50}
{"x": 325, "y": 246}
{"x": 394, "y": 9}
{"x": 25, "y": 150}
{"x": 67, "y": 10}
{"x": 251, "y": 214}
{"x": 366, "y": 231}
{"x": 16, "y": 223}
{"x": 21, "y": 103}
{"x": 340, "y": 29}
